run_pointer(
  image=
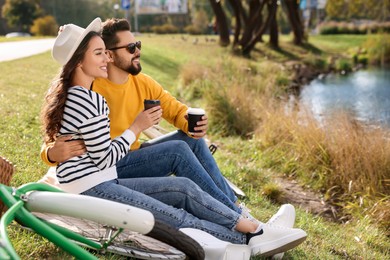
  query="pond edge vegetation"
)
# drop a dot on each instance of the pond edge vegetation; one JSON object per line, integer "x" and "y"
{"x": 343, "y": 159}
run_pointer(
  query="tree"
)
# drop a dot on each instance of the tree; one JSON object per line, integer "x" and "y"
{"x": 253, "y": 18}
{"x": 45, "y": 25}
{"x": 21, "y": 13}
{"x": 200, "y": 20}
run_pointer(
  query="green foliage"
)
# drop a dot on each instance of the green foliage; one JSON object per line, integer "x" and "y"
{"x": 357, "y": 9}
{"x": 80, "y": 12}
{"x": 21, "y": 13}
{"x": 378, "y": 49}
{"x": 272, "y": 191}
{"x": 343, "y": 64}
{"x": 46, "y": 25}
{"x": 200, "y": 21}
{"x": 333, "y": 27}
{"x": 316, "y": 62}
{"x": 191, "y": 29}
{"x": 165, "y": 29}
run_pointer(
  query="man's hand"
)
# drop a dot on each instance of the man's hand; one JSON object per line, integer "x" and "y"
{"x": 65, "y": 148}
{"x": 200, "y": 126}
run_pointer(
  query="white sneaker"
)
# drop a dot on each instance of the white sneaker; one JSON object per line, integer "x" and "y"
{"x": 275, "y": 239}
{"x": 216, "y": 249}
{"x": 285, "y": 217}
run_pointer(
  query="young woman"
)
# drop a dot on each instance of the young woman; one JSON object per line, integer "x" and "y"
{"x": 72, "y": 108}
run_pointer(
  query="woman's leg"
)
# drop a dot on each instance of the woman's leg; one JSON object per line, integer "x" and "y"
{"x": 171, "y": 157}
{"x": 189, "y": 206}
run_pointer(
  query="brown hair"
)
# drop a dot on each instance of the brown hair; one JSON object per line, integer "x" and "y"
{"x": 53, "y": 107}
{"x": 110, "y": 28}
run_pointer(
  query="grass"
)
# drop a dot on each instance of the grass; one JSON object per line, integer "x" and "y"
{"x": 250, "y": 89}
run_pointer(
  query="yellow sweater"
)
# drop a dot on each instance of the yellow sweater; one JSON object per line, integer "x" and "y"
{"x": 126, "y": 101}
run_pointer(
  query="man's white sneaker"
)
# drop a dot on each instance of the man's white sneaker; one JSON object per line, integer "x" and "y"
{"x": 285, "y": 217}
{"x": 272, "y": 240}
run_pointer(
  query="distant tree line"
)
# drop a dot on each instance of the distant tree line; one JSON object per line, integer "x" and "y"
{"x": 246, "y": 20}
{"x": 19, "y": 15}
{"x": 347, "y": 10}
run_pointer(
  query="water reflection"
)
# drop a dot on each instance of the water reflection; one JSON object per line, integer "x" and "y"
{"x": 363, "y": 94}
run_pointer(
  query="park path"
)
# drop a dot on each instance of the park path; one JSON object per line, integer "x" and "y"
{"x": 20, "y": 49}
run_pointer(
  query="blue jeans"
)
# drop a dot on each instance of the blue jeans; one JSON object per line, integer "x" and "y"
{"x": 176, "y": 201}
{"x": 176, "y": 153}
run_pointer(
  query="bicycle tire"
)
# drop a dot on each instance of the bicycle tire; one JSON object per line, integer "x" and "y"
{"x": 128, "y": 243}
{"x": 178, "y": 239}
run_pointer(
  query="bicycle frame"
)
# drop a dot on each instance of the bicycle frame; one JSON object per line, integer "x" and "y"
{"x": 45, "y": 198}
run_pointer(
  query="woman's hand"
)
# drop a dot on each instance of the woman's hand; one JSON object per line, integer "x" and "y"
{"x": 146, "y": 119}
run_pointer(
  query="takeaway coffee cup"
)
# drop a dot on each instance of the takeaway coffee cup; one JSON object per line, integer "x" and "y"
{"x": 194, "y": 115}
{"x": 149, "y": 103}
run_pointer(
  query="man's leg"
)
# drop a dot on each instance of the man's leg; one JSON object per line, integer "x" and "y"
{"x": 171, "y": 157}
{"x": 202, "y": 152}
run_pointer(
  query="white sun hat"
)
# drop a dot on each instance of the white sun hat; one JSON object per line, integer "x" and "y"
{"x": 70, "y": 38}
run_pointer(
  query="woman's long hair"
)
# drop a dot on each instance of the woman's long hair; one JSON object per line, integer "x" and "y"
{"x": 54, "y": 104}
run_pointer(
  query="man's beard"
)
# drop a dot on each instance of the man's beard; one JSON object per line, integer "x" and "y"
{"x": 134, "y": 69}
{"x": 130, "y": 68}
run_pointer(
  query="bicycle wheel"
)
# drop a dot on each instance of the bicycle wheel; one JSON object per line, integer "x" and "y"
{"x": 127, "y": 243}
{"x": 87, "y": 214}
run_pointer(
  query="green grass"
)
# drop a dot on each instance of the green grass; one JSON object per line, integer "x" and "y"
{"x": 337, "y": 43}
{"x": 24, "y": 82}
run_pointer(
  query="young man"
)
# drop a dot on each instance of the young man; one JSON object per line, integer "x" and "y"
{"x": 182, "y": 153}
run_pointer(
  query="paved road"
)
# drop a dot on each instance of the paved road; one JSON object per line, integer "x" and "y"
{"x": 21, "y": 49}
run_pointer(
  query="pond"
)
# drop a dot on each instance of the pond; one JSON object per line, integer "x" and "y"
{"x": 364, "y": 94}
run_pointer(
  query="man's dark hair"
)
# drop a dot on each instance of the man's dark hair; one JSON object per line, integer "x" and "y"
{"x": 110, "y": 28}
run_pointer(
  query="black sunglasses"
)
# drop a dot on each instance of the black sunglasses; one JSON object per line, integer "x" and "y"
{"x": 130, "y": 47}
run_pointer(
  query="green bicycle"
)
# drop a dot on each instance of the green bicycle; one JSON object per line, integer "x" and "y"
{"x": 79, "y": 224}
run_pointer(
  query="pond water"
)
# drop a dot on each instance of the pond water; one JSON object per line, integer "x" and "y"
{"x": 364, "y": 94}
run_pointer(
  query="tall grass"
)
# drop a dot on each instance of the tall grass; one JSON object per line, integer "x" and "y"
{"x": 378, "y": 49}
{"x": 231, "y": 90}
{"x": 348, "y": 162}
{"x": 345, "y": 160}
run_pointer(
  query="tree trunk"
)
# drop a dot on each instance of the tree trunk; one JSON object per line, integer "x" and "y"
{"x": 273, "y": 26}
{"x": 240, "y": 16}
{"x": 222, "y": 26}
{"x": 295, "y": 21}
{"x": 272, "y": 8}
{"x": 254, "y": 20}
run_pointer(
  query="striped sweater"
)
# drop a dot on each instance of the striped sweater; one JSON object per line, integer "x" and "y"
{"x": 86, "y": 117}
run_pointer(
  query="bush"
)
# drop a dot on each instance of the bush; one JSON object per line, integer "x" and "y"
{"x": 353, "y": 28}
{"x": 190, "y": 29}
{"x": 343, "y": 65}
{"x": 45, "y": 26}
{"x": 378, "y": 49}
{"x": 165, "y": 29}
